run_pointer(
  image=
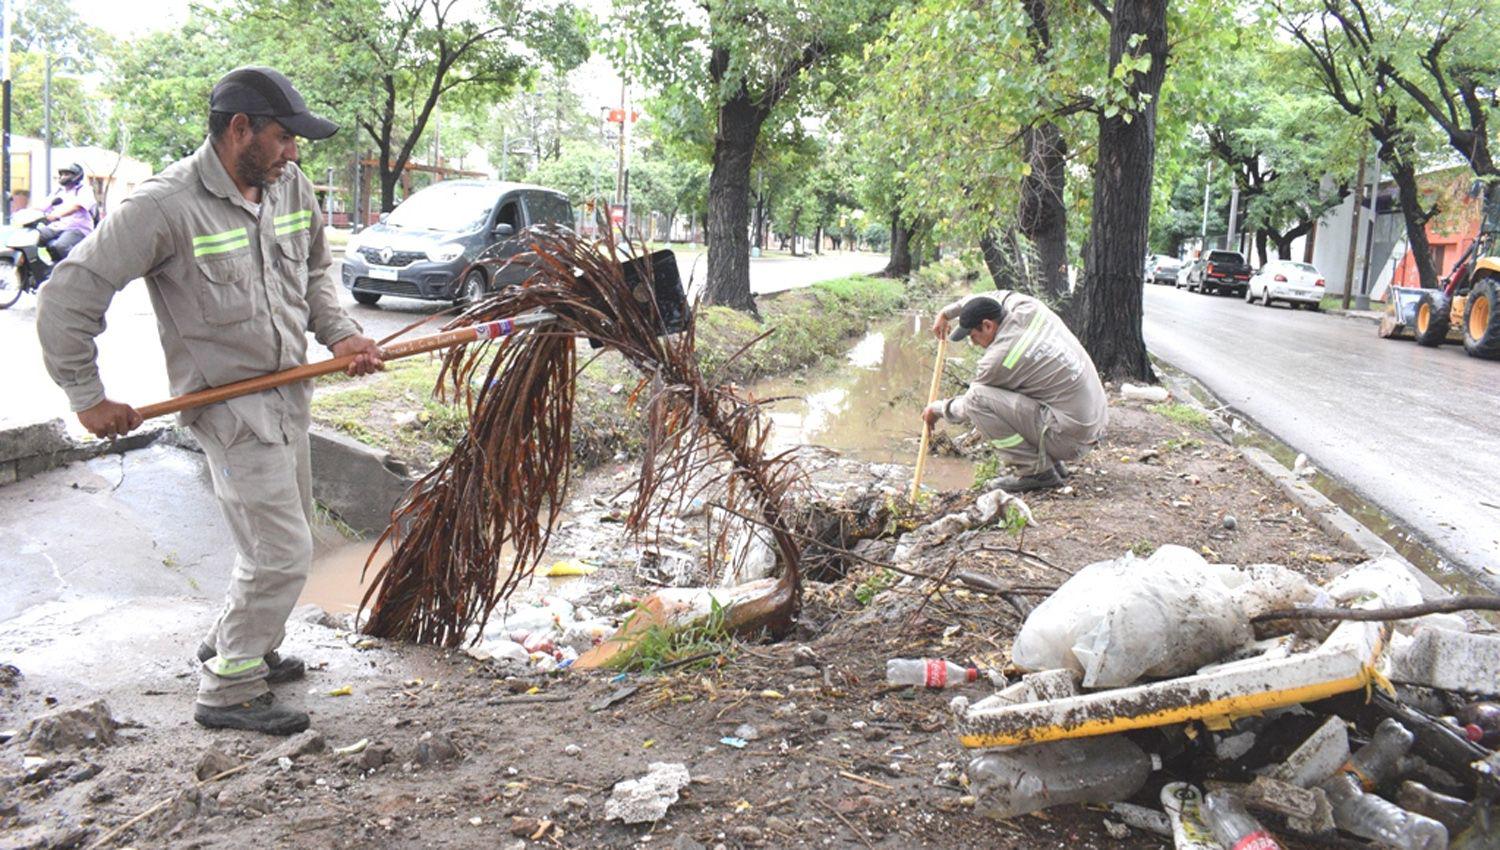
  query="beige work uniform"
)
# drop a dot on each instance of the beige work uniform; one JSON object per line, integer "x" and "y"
{"x": 1035, "y": 392}
{"x": 235, "y": 290}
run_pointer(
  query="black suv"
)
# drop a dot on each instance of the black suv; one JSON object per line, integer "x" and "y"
{"x": 426, "y": 246}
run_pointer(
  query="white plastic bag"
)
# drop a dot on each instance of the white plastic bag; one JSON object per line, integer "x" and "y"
{"x": 1116, "y": 621}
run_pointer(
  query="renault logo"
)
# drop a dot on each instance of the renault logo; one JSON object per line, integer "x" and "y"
{"x": 385, "y": 255}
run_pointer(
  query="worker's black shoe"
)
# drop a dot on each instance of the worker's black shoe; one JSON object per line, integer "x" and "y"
{"x": 1062, "y": 471}
{"x": 261, "y": 714}
{"x": 1026, "y": 483}
{"x": 280, "y": 668}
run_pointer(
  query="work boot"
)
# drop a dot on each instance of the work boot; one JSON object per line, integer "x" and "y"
{"x": 1026, "y": 483}
{"x": 261, "y": 714}
{"x": 280, "y": 668}
{"x": 1062, "y": 471}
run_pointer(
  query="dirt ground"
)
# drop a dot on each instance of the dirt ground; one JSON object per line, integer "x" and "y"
{"x": 836, "y": 758}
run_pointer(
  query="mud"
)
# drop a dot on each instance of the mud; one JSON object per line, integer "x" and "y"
{"x": 840, "y": 759}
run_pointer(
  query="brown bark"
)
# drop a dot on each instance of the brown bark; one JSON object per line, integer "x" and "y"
{"x": 1108, "y": 309}
{"x": 900, "y": 262}
{"x": 1043, "y": 217}
{"x": 728, "y": 282}
{"x": 1412, "y": 214}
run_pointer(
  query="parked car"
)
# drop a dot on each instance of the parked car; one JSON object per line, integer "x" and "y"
{"x": 426, "y": 247}
{"x": 1163, "y": 269}
{"x": 1298, "y": 284}
{"x": 1219, "y": 271}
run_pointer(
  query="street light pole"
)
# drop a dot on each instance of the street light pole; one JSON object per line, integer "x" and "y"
{"x": 1208, "y": 180}
{"x": 1359, "y": 183}
{"x": 5, "y": 114}
{"x": 1362, "y": 301}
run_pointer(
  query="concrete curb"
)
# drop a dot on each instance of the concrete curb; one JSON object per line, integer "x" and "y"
{"x": 360, "y": 484}
{"x": 1359, "y": 315}
{"x": 1333, "y": 519}
{"x": 28, "y": 450}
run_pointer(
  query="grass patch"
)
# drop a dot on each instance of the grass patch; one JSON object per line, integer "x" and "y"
{"x": 1143, "y": 548}
{"x": 660, "y": 646}
{"x": 1176, "y": 444}
{"x": 1182, "y": 414}
{"x": 393, "y": 410}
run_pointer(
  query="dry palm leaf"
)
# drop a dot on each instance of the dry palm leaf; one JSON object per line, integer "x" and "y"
{"x": 470, "y": 531}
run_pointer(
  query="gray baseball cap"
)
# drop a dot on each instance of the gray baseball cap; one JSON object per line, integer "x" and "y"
{"x": 257, "y": 90}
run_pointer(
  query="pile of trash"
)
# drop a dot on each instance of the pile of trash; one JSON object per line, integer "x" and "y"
{"x": 546, "y": 636}
{"x": 1158, "y": 685}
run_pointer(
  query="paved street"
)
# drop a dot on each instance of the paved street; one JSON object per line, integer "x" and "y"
{"x": 1414, "y": 430}
{"x": 133, "y": 369}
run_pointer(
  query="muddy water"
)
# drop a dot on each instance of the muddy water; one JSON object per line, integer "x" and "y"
{"x": 870, "y": 407}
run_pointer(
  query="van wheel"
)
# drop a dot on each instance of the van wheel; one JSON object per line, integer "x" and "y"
{"x": 366, "y": 298}
{"x": 1431, "y": 325}
{"x": 473, "y": 289}
{"x": 1482, "y": 320}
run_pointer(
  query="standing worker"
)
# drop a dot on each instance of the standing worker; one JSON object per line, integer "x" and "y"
{"x": 230, "y": 241}
{"x": 1036, "y": 393}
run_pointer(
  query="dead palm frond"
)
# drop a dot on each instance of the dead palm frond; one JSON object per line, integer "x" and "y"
{"x": 470, "y": 531}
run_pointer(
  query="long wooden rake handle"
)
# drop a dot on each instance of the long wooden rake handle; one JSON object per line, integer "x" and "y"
{"x": 394, "y": 351}
{"x": 932, "y": 394}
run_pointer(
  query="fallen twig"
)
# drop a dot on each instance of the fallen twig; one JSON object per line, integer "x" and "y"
{"x": 846, "y": 822}
{"x": 866, "y": 780}
{"x": 110, "y": 836}
{"x": 523, "y": 699}
{"x": 1404, "y": 612}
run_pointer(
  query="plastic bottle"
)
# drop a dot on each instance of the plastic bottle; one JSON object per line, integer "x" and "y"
{"x": 1380, "y": 760}
{"x": 1086, "y": 770}
{"x": 928, "y": 672}
{"x": 1233, "y": 826}
{"x": 1483, "y": 717}
{"x": 1448, "y": 811}
{"x": 1369, "y": 816}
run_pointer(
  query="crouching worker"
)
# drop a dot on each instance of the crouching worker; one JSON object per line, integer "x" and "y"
{"x": 1036, "y": 394}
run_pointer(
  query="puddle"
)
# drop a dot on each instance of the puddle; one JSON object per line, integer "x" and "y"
{"x": 335, "y": 583}
{"x": 1451, "y": 577}
{"x": 870, "y": 408}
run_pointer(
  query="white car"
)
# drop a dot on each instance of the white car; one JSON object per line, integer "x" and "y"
{"x": 1288, "y": 281}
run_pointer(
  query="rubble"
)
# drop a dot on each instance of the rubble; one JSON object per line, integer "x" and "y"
{"x": 646, "y": 800}
{"x": 1450, "y": 660}
{"x": 74, "y": 728}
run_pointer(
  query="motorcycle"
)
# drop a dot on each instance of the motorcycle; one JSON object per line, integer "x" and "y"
{"x": 25, "y": 263}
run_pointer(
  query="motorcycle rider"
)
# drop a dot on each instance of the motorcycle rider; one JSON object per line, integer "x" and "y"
{"x": 69, "y": 212}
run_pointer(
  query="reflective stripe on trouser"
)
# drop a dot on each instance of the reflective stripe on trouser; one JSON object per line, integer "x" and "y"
{"x": 1025, "y": 431}
{"x": 265, "y": 494}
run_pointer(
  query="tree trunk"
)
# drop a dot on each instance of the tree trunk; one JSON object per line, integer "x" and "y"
{"x": 818, "y": 240}
{"x": 1108, "y": 316}
{"x": 1260, "y": 246}
{"x": 900, "y": 262}
{"x": 1412, "y": 214}
{"x": 1042, "y": 216}
{"x": 728, "y": 205}
{"x": 1000, "y": 254}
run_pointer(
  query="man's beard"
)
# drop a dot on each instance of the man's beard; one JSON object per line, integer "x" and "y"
{"x": 251, "y": 170}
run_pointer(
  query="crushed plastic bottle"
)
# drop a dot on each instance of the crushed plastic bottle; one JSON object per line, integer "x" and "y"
{"x": 1233, "y": 825}
{"x": 1448, "y": 811}
{"x": 1380, "y": 760}
{"x": 1084, "y": 770}
{"x": 928, "y": 673}
{"x": 1369, "y": 816}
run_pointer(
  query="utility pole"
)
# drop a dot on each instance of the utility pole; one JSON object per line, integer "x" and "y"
{"x": 620, "y": 163}
{"x": 1208, "y": 182}
{"x": 47, "y": 118}
{"x": 1362, "y": 301}
{"x": 5, "y": 114}
{"x": 1359, "y": 181}
{"x": 1234, "y": 215}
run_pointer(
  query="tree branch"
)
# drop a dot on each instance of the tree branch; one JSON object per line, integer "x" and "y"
{"x": 1103, "y": 11}
{"x": 1379, "y": 615}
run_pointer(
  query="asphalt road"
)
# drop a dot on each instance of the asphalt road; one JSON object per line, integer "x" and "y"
{"x": 1416, "y": 431}
{"x": 134, "y": 371}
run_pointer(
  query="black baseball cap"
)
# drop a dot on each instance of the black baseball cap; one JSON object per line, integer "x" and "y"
{"x": 974, "y": 312}
{"x": 257, "y": 90}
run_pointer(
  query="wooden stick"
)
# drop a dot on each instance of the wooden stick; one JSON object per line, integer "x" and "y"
{"x": 394, "y": 351}
{"x": 932, "y": 394}
{"x": 1405, "y": 612}
{"x": 113, "y": 833}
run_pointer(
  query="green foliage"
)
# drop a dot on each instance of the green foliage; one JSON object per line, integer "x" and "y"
{"x": 874, "y": 584}
{"x": 1142, "y": 548}
{"x": 654, "y": 648}
{"x": 584, "y": 170}
{"x": 1182, "y": 414}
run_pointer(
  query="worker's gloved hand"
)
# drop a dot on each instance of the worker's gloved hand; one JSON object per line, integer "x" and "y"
{"x": 932, "y": 413}
{"x": 940, "y": 326}
{"x": 109, "y": 419}
{"x": 366, "y": 354}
